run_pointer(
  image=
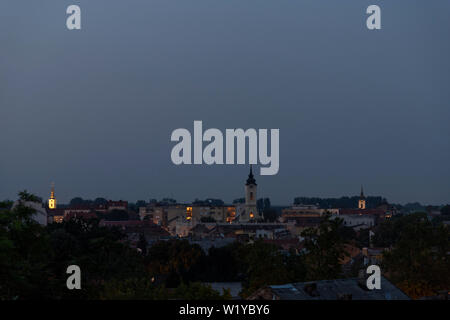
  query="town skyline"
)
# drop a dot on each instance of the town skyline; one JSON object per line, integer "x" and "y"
{"x": 67, "y": 196}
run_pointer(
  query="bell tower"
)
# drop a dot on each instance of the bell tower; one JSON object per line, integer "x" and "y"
{"x": 362, "y": 200}
{"x": 251, "y": 210}
{"x": 52, "y": 200}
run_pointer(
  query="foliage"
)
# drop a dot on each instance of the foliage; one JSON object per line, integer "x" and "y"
{"x": 270, "y": 215}
{"x": 7, "y": 204}
{"x": 142, "y": 244}
{"x": 140, "y": 203}
{"x": 264, "y": 264}
{"x": 419, "y": 262}
{"x": 100, "y": 201}
{"x": 198, "y": 291}
{"x": 26, "y": 196}
{"x": 24, "y": 255}
{"x": 389, "y": 231}
{"x": 145, "y": 289}
{"x": 34, "y": 259}
{"x": 177, "y": 259}
{"x": 325, "y": 248}
{"x": 263, "y": 204}
{"x": 221, "y": 264}
{"x": 362, "y": 238}
{"x": 445, "y": 210}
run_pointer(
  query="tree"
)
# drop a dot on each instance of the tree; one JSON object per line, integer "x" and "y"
{"x": 7, "y": 204}
{"x": 25, "y": 196}
{"x": 144, "y": 288}
{"x": 419, "y": 262}
{"x": 221, "y": 265}
{"x": 347, "y": 233}
{"x": 24, "y": 254}
{"x": 388, "y": 233}
{"x": 100, "y": 201}
{"x": 263, "y": 204}
{"x": 142, "y": 244}
{"x": 445, "y": 210}
{"x": 140, "y": 203}
{"x": 325, "y": 248}
{"x": 177, "y": 259}
{"x": 77, "y": 201}
{"x": 264, "y": 264}
{"x": 168, "y": 201}
{"x": 363, "y": 238}
{"x": 270, "y": 215}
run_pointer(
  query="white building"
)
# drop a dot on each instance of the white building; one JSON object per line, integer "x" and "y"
{"x": 40, "y": 214}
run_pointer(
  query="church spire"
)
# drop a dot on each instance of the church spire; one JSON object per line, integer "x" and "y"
{"x": 52, "y": 192}
{"x": 251, "y": 179}
{"x": 52, "y": 200}
{"x": 362, "y": 200}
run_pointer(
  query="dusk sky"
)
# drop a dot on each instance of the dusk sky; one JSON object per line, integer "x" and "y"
{"x": 93, "y": 109}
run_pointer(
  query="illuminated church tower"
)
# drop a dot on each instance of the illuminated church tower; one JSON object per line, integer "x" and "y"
{"x": 250, "y": 198}
{"x": 52, "y": 200}
{"x": 362, "y": 200}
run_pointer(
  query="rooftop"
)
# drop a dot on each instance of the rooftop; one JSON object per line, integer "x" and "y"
{"x": 330, "y": 290}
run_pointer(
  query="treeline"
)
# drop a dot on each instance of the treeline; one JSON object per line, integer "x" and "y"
{"x": 343, "y": 202}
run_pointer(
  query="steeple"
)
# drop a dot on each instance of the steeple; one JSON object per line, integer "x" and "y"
{"x": 52, "y": 200}
{"x": 52, "y": 192}
{"x": 362, "y": 200}
{"x": 251, "y": 179}
{"x": 250, "y": 209}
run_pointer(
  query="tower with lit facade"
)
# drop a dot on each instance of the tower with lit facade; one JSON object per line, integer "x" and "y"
{"x": 251, "y": 209}
{"x": 362, "y": 200}
{"x": 52, "y": 200}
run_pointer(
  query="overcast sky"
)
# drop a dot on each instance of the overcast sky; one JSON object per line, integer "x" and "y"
{"x": 93, "y": 110}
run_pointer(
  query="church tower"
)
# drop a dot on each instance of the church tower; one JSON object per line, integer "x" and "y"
{"x": 250, "y": 199}
{"x": 362, "y": 200}
{"x": 52, "y": 200}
